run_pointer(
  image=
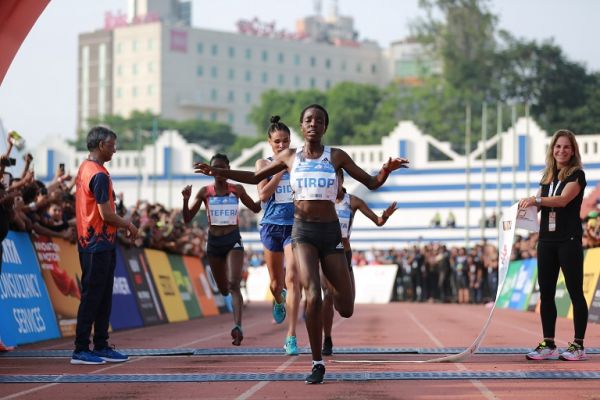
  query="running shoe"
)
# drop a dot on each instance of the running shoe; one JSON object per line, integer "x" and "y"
{"x": 327, "y": 346}
{"x": 279, "y": 308}
{"x": 86, "y": 357}
{"x": 543, "y": 352}
{"x": 237, "y": 335}
{"x": 575, "y": 352}
{"x": 317, "y": 375}
{"x": 291, "y": 346}
{"x": 109, "y": 354}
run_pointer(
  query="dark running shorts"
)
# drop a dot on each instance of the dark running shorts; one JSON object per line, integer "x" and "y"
{"x": 275, "y": 237}
{"x": 325, "y": 236}
{"x": 219, "y": 246}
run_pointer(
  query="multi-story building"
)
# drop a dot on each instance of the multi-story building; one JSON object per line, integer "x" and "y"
{"x": 152, "y": 59}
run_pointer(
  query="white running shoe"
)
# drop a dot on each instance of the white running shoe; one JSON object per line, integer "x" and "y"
{"x": 575, "y": 352}
{"x": 543, "y": 352}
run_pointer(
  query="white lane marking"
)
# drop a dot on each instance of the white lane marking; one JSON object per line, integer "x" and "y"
{"x": 485, "y": 391}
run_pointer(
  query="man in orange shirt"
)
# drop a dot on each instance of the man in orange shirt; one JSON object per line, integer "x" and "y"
{"x": 97, "y": 224}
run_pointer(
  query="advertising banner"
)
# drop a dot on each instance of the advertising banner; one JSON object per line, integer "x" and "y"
{"x": 258, "y": 283}
{"x": 591, "y": 273}
{"x": 201, "y": 286}
{"x": 149, "y": 304}
{"x": 511, "y": 277}
{"x": 563, "y": 301}
{"x": 220, "y": 301}
{"x": 594, "y": 311}
{"x": 374, "y": 283}
{"x": 166, "y": 286}
{"x": 534, "y": 299}
{"x": 185, "y": 286}
{"x": 125, "y": 313}
{"x": 59, "y": 263}
{"x": 523, "y": 285}
{"x": 26, "y": 313}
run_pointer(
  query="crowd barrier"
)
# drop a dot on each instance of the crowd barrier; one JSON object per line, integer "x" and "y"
{"x": 521, "y": 291}
{"x": 40, "y": 288}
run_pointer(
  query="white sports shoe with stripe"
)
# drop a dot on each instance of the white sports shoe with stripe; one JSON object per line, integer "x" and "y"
{"x": 575, "y": 352}
{"x": 543, "y": 352}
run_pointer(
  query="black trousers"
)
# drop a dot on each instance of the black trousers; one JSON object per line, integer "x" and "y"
{"x": 98, "y": 271}
{"x": 568, "y": 256}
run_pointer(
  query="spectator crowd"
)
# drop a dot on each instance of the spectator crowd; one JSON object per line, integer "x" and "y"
{"x": 428, "y": 272}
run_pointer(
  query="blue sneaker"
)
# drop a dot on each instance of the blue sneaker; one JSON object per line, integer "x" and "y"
{"x": 86, "y": 357}
{"x": 111, "y": 355}
{"x": 279, "y": 308}
{"x": 290, "y": 346}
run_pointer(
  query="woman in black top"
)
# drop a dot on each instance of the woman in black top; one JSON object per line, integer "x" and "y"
{"x": 559, "y": 247}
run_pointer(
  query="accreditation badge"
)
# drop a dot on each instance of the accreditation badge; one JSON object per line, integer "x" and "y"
{"x": 551, "y": 221}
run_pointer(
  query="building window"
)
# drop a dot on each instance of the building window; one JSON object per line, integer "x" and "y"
{"x": 231, "y": 74}
{"x": 343, "y": 67}
{"x": 280, "y": 58}
{"x": 248, "y": 97}
{"x": 213, "y": 116}
{"x": 231, "y": 52}
{"x": 373, "y": 69}
{"x": 248, "y": 75}
{"x": 296, "y": 59}
{"x": 134, "y": 69}
{"x": 214, "y": 72}
{"x": 150, "y": 44}
{"x": 214, "y": 50}
{"x": 119, "y": 47}
{"x": 214, "y": 95}
{"x": 313, "y": 83}
{"x": 248, "y": 54}
{"x": 328, "y": 63}
{"x": 327, "y": 84}
{"x": 264, "y": 77}
{"x": 119, "y": 93}
{"x": 264, "y": 56}
{"x": 359, "y": 68}
{"x": 119, "y": 70}
{"x": 313, "y": 61}
{"x": 200, "y": 48}
{"x": 150, "y": 90}
{"x": 199, "y": 70}
{"x": 297, "y": 81}
{"x": 151, "y": 66}
{"x": 134, "y": 46}
{"x": 231, "y": 96}
{"x": 134, "y": 91}
{"x": 230, "y": 118}
{"x": 280, "y": 80}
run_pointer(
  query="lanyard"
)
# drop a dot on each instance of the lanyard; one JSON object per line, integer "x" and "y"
{"x": 551, "y": 192}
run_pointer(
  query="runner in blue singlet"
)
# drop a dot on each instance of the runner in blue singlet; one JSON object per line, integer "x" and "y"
{"x": 275, "y": 193}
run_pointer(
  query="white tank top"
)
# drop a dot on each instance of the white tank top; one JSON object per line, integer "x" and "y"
{"x": 222, "y": 210}
{"x": 344, "y": 212}
{"x": 313, "y": 179}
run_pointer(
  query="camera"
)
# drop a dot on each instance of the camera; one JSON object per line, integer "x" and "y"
{"x": 9, "y": 162}
{"x": 61, "y": 167}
